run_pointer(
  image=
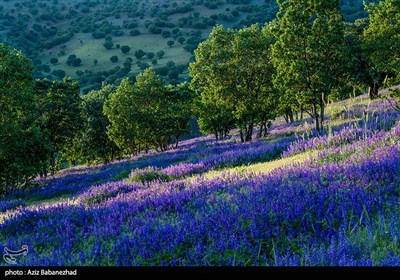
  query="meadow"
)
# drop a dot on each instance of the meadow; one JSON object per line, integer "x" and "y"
{"x": 295, "y": 198}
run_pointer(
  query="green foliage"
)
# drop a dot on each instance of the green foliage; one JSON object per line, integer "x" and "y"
{"x": 361, "y": 72}
{"x": 233, "y": 74}
{"x": 308, "y": 52}
{"x": 59, "y": 73}
{"x": 160, "y": 54}
{"x": 125, "y": 49}
{"x": 58, "y": 107}
{"x": 91, "y": 143}
{"x": 108, "y": 44}
{"x": 23, "y": 149}
{"x": 120, "y": 109}
{"x": 114, "y": 59}
{"x": 134, "y": 32}
{"x": 148, "y": 114}
{"x": 139, "y": 54}
{"x": 147, "y": 175}
{"x": 121, "y": 175}
{"x": 382, "y": 36}
{"x": 178, "y": 110}
{"x": 73, "y": 60}
{"x": 170, "y": 43}
{"x": 54, "y": 60}
{"x": 39, "y": 27}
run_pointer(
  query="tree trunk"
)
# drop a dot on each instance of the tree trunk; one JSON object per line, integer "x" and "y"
{"x": 53, "y": 162}
{"x": 177, "y": 141}
{"x": 241, "y": 136}
{"x": 322, "y": 116}
{"x": 216, "y": 134}
{"x": 322, "y": 110}
{"x": 249, "y": 132}
{"x": 316, "y": 118}
{"x": 226, "y": 132}
{"x": 260, "y": 131}
{"x": 291, "y": 115}
{"x": 267, "y": 125}
{"x": 373, "y": 91}
{"x": 286, "y": 118}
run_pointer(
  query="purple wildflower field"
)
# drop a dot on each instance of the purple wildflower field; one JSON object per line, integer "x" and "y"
{"x": 338, "y": 207}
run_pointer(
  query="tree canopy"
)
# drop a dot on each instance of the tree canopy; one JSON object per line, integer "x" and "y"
{"x": 58, "y": 107}
{"x": 233, "y": 74}
{"x": 307, "y": 54}
{"x": 382, "y": 36}
{"x": 23, "y": 149}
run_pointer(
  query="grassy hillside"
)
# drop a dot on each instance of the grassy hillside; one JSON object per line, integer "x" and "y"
{"x": 56, "y": 29}
{"x": 294, "y": 198}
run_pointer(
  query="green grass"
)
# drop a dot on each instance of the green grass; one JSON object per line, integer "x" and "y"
{"x": 91, "y": 49}
{"x": 33, "y": 201}
{"x": 263, "y": 167}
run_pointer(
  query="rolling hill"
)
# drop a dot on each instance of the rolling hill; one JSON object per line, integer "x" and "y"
{"x": 84, "y": 39}
{"x": 295, "y": 198}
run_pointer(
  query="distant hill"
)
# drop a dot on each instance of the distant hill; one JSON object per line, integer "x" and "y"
{"x": 97, "y": 41}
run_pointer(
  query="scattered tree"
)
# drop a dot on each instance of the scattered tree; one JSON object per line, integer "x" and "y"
{"x": 114, "y": 59}
{"x": 54, "y": 60}
{"x": 108, "y": 45}
{"x": 139, "y": 54}
{"x": 150, "y": 55}
{"x": 160, "y": 54}
{"x": 125, "y": 49}
{"x": 170, "y": 43}
{"x": 181, "y": 40}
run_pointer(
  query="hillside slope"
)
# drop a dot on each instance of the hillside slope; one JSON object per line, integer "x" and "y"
{"x": 295, "y": 198}
{"x": 77, "y": 38}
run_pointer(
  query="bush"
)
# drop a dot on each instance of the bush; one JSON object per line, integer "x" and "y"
{"x": 150, "y": 55}
{"x": 98, "y": 35}
{"x": 147, "y": 175}
{"x": 108, "y": 44}
{"x": 73, "y": 60}
{"x": 54, "y": 60}
{"x": 160, "y": 54}
{"x": 181, "y": 40}
{"x": 125, "y": 49}
{"x": 170, "y": 43}
{"x": 59, "y": 73}
{"x": 143, "y": 65}
{"x": 139, "y": 54}
{"x": 134, "y": 32}
{"x": 114, "y": 59}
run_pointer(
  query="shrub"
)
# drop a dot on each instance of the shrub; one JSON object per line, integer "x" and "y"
{"x": 54, "y": 60}
{"x": 160, "y": 54}
{"x": 147, "y": 175}
{"x": 114, "y": 59}
{"x": 125, "y": 49}
{"x": 134, "y": 32}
